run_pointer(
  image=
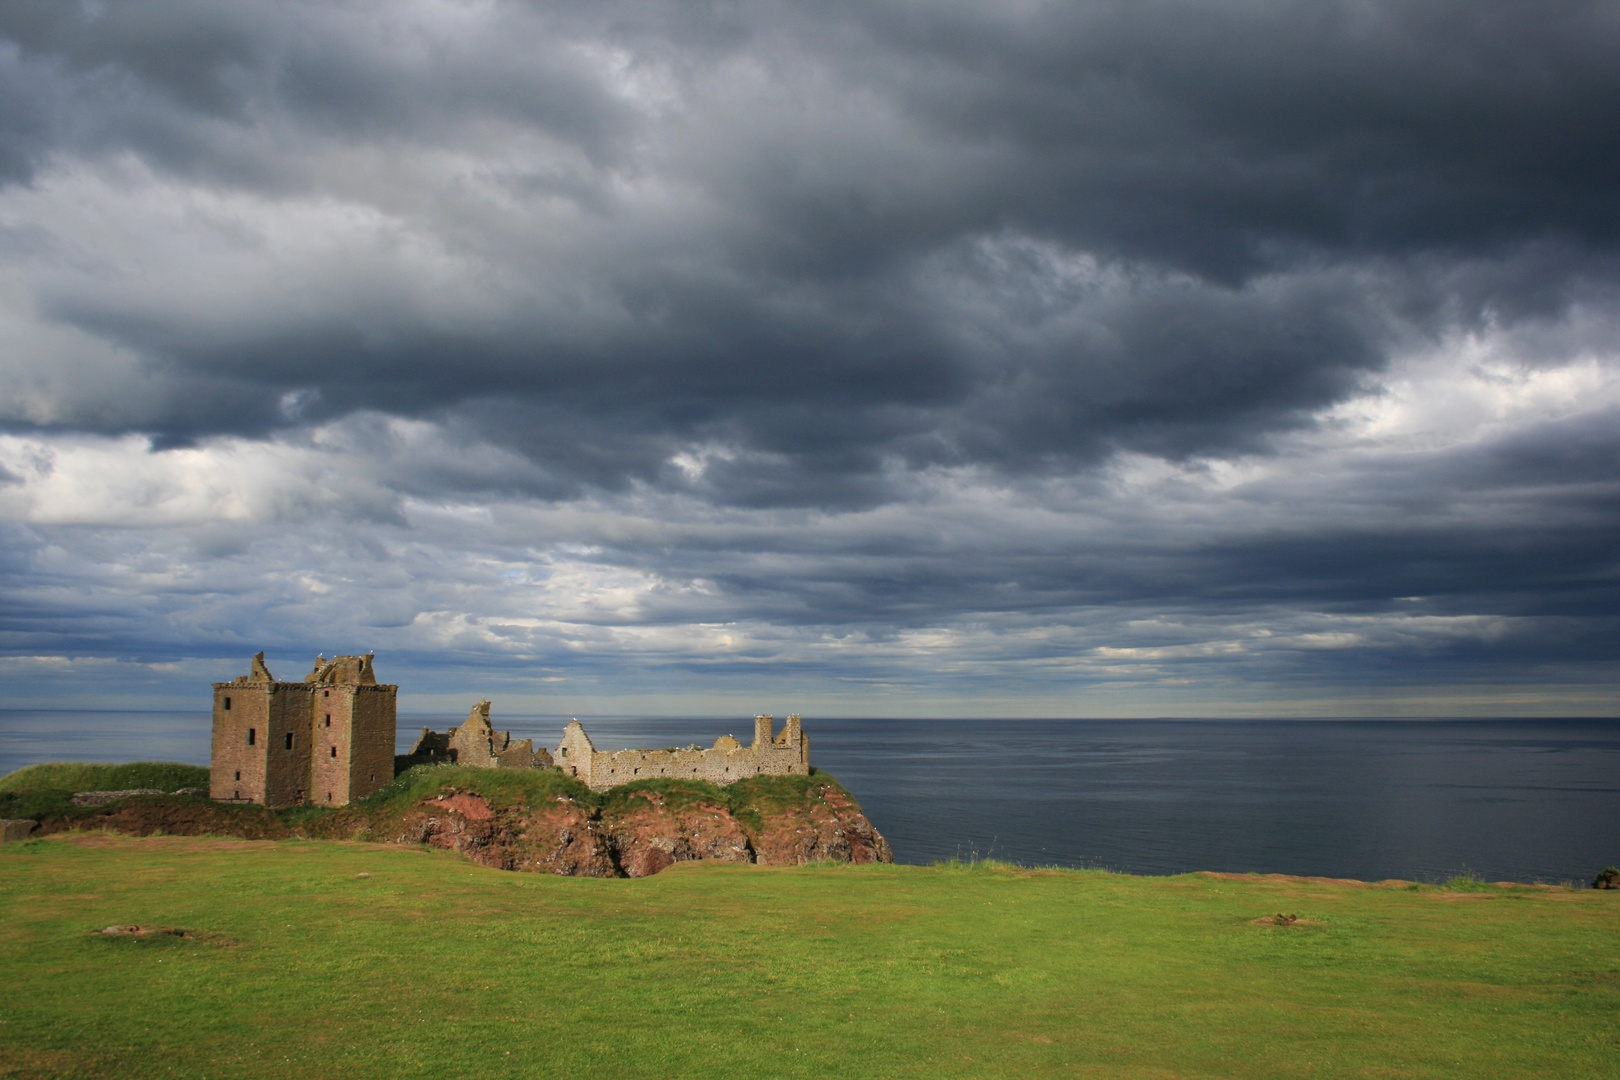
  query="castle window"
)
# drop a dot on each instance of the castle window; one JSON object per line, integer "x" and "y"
{"x": 326, "y": 693}
{"x": 236, "y": 794}
{"x": 328, "y": 719}
{"x": 251, "y": 733}
{"x": 227, "y": 704}
{"x": 239, "y": 774}
{"x": 328, "y": 796}
{"x": 334, "y": 751}
{"x": 289, "y": 740}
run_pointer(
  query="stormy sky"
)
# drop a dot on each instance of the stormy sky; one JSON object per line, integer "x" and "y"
{"x": 1216, "y": 357}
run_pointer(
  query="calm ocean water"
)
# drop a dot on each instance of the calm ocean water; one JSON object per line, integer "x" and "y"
{"x": 1518, "y": 800}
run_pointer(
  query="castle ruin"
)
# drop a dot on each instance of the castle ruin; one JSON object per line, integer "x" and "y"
{"x": 326, "y": 740}
{"x": 477, "y": 743}
{"x": 728, "y": 760}
{"x": 330, "y": 740}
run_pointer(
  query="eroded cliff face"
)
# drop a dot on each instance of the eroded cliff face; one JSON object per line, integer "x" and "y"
{"x": 642, "y": 832}
{"x": 559, "y": 837}
{"x": 648, "y": 834}
{"x": 636, "y": 832}
{"x": 832, "y": 828}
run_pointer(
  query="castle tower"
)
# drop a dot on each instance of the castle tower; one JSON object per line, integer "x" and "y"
{"x": 327, "y": 740}
{"x": 352, "y": 720}
{"x": 762, "y": 733}
{"x": 261, "y": 740}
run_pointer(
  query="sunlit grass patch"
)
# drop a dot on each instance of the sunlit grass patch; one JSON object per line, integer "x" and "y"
{"x": 367, "y": 961}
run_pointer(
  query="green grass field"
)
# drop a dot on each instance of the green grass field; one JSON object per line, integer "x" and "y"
{"x": 299, "y": 966}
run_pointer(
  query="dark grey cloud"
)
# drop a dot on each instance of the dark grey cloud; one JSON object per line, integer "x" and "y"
{"x": 1177, "y": 321}
{"x": 1276, "y": 176}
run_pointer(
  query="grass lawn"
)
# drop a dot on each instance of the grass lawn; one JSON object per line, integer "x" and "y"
{"x": 298, "y": 966}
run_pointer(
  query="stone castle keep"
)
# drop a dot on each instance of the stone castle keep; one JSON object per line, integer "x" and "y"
{"x": 326, "y": 740}
{"x": 330, "y": 740}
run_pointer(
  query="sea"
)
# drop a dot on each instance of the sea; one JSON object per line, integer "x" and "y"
{"x": 1423, "y": 800}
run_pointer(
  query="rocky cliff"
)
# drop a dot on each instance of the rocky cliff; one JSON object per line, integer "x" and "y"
{"x": 541, "y": 822}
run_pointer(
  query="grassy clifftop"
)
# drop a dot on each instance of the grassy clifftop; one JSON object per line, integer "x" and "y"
{"x": 42, "y": 790}
{"x": 315, "y": 959}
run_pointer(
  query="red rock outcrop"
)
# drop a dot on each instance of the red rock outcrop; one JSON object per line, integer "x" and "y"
{"x": 558, "y": 838}
{"x": 831, "y": 828}
{"x": 648, "y": 834}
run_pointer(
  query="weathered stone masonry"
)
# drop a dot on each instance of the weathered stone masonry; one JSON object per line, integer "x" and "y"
{"x": 787, "y": 754}
{"x": 326, "y": 740}
{"x": 476, "y": 742}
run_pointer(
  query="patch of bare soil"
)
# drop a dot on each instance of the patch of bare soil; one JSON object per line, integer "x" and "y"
{"x": 1280, "y": 919}
{"x": 468, "y": 805}
{"x": 155, "y": 932}
{"x": 145, "y": 932}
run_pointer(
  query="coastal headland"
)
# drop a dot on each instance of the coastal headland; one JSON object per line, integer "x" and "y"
{"x": 536, "y": 820}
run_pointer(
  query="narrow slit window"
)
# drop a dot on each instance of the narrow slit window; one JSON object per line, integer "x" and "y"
{"x": 252, "y": 734}
{"x": 239, "y": 774}
{"x": 289, "y": 740}
{"x": 334, "y": 751}
{"x": 227, "y": 704}
{"x": 328, "y": 719}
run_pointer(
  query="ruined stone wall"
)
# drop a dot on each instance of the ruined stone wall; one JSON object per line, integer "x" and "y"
{"x": 237, "y": 769}
{"x": 725, "y": 762}
{"x": 718, "y": 766}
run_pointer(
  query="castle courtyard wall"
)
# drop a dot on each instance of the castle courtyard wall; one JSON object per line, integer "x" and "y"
{"x": 724, "y": 763}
